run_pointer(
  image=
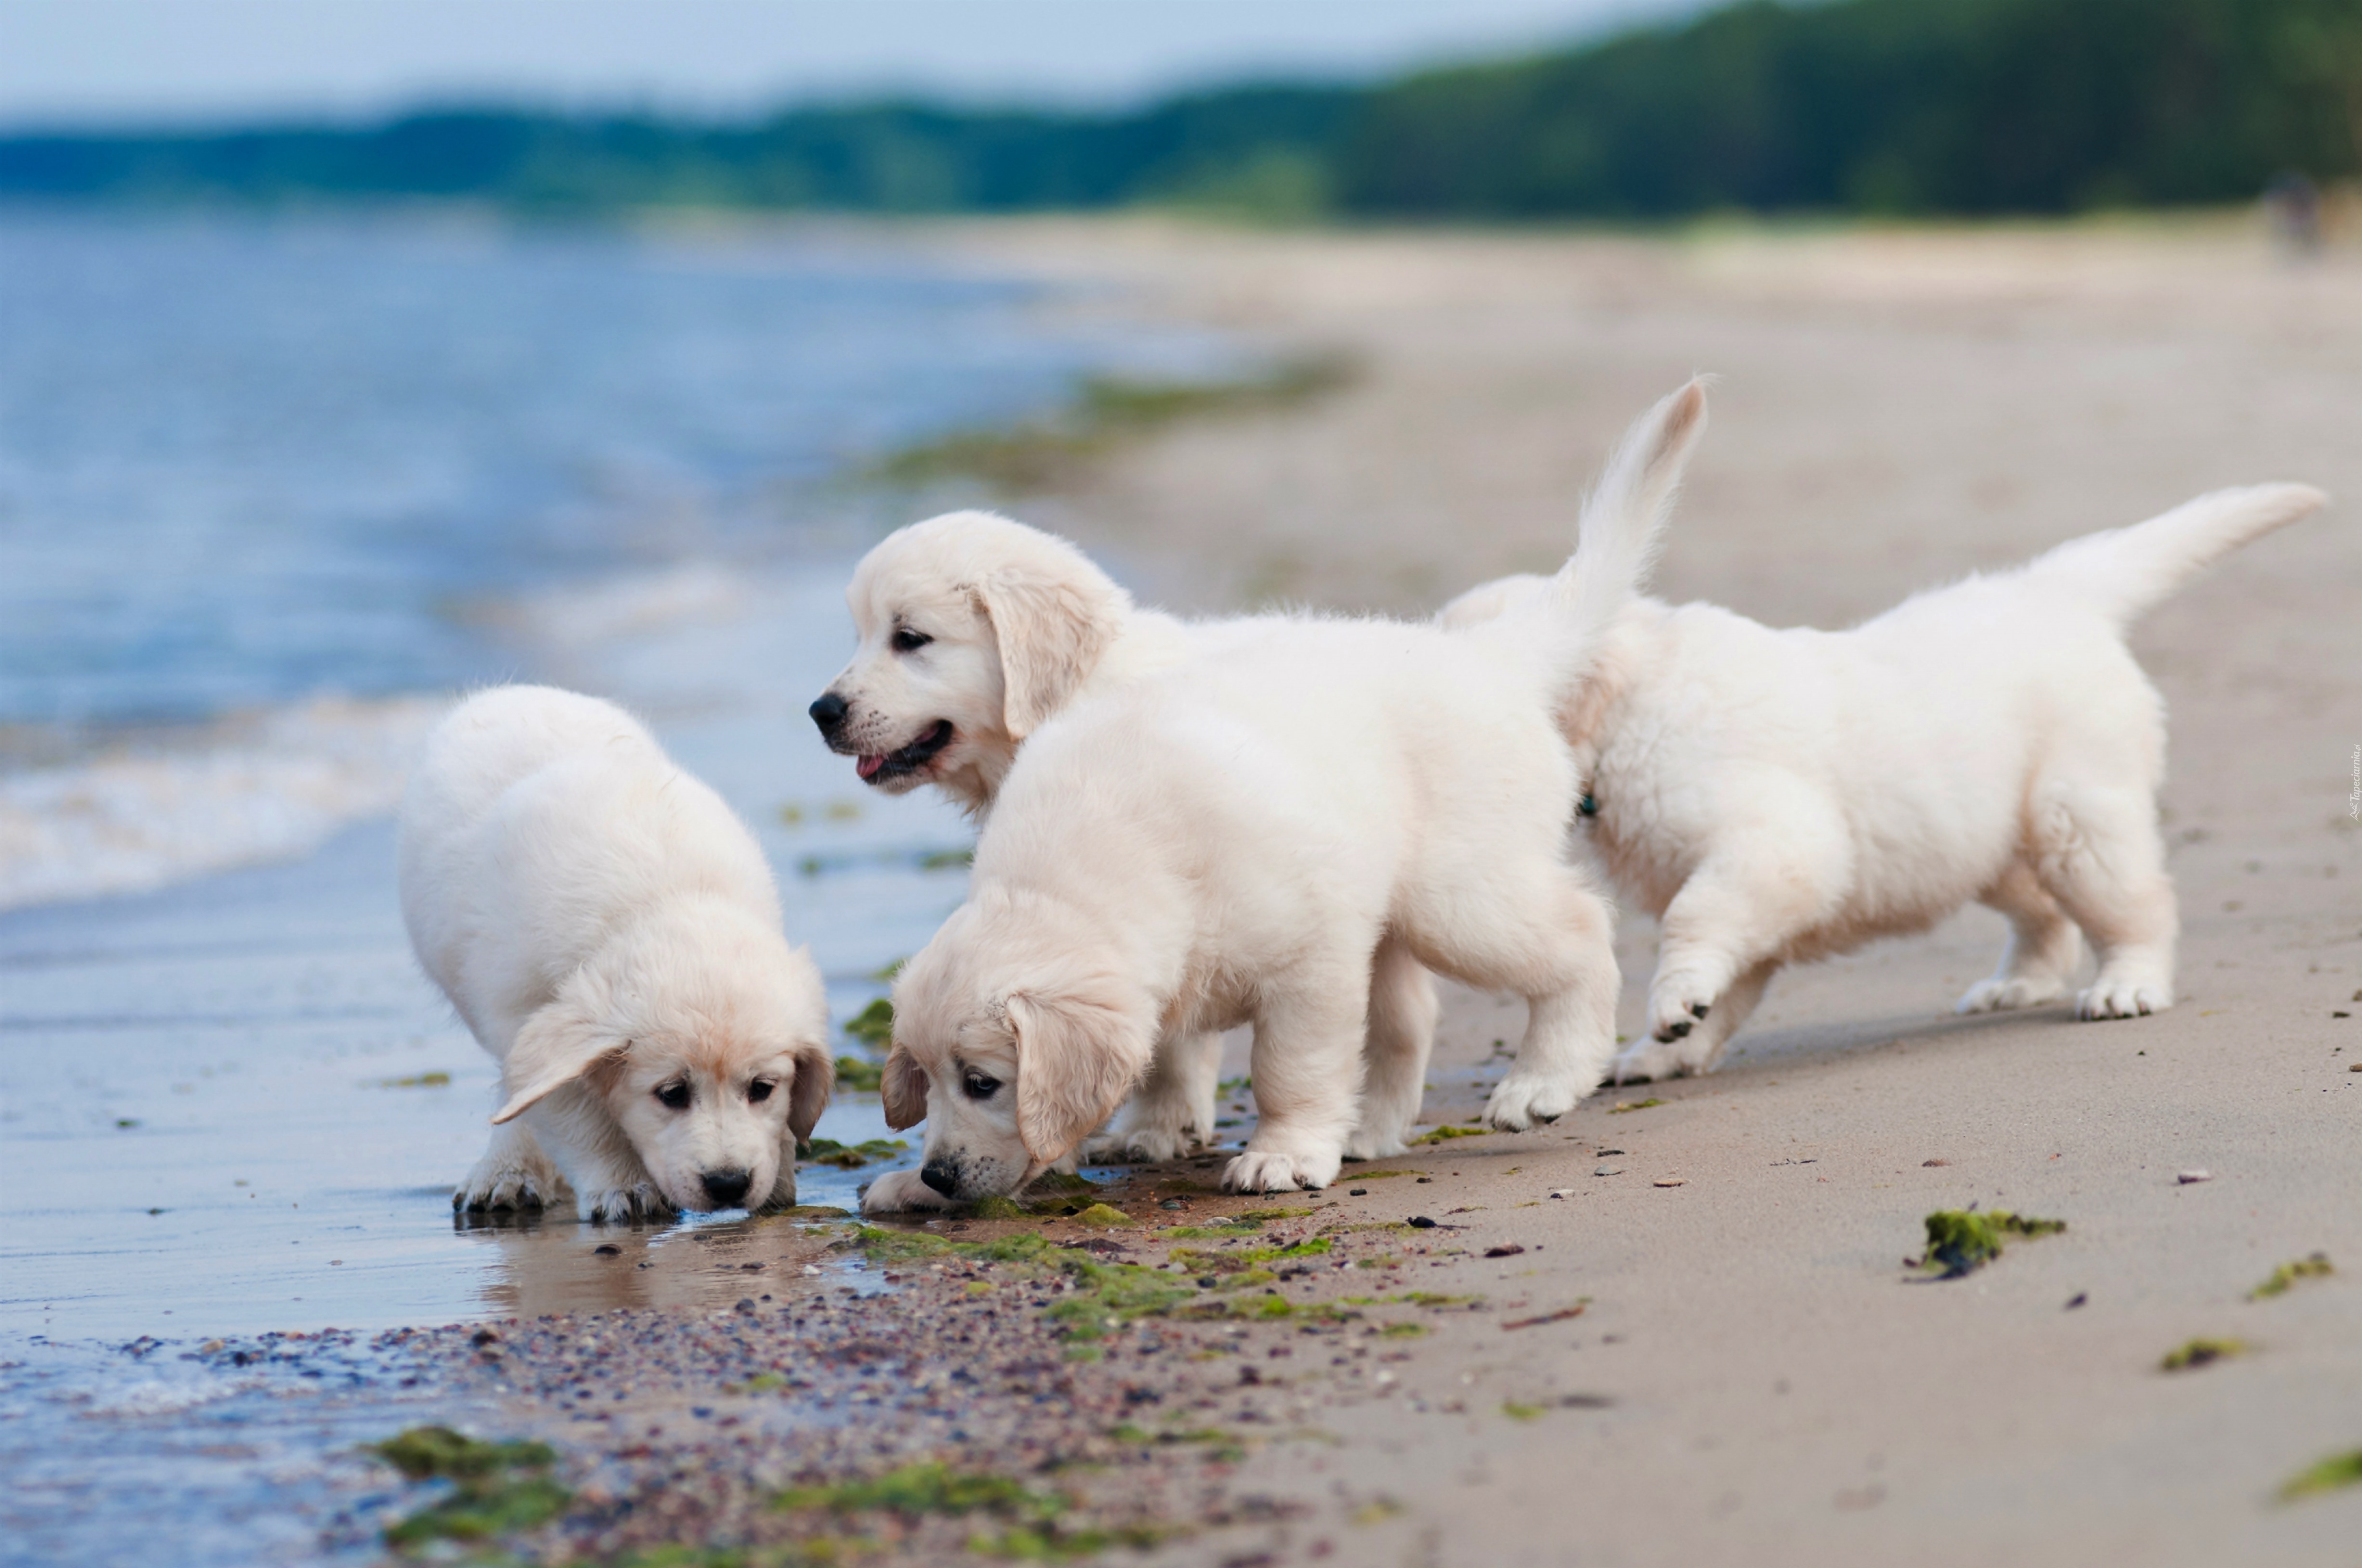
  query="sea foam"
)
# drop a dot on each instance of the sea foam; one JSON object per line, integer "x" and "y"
{"x": 269, "y": 786}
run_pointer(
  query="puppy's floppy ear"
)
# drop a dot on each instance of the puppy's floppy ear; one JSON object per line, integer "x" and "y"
{"x": 557, "y": 1045}
{"x": 903, "y": 1087}
{"x": 808, "y": 1095}
{"x": 1076, "y": 1061}
{"x": 1052, "y": 632}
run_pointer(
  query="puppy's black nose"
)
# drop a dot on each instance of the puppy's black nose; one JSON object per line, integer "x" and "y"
{"x": 829, "y": 712}
{"x": 941, "y": 1175}
{"x": 727, "y": 1187}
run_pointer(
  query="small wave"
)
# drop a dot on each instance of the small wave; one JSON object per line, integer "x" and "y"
{"x": 269, "y": 787}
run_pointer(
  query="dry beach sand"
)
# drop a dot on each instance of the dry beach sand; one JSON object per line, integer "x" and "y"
{"x": 1897, "y": 409}
{"x": 1678, "y": 1327}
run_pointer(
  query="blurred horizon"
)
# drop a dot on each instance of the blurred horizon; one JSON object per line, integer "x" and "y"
{"x": 194, "y": 65}
{"x": 1661, "y": 109}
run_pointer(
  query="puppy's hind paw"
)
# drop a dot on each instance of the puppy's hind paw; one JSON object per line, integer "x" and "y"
{"x": 1266, "y": 1171}
{"x": 898, "y": 1192}
{"x": 1654, "y": 1061}
{"x": 2123, "y": 998}
{"x": 1367, "y": 1144}
{"x": 2002, "y": 993}
{"x": 1676, "y": 1008}
{"x": 1522, "y": 1100}
{"x": 1136, "y": 1146}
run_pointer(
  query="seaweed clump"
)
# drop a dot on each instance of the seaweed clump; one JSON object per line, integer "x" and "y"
{"x": 2200, "y": 1353}
{"x": 1033, "y": 1522}
{"x": 2333, "y": 1474}
{"x": 1961, "y": 1241}
{"x": 2288, "y": 1274}
{"x": 852, "y": 1157}
{"x": 496, "y": 1487}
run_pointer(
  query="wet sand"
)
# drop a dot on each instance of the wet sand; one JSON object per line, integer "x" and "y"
{"x": 1753, "y": 1375}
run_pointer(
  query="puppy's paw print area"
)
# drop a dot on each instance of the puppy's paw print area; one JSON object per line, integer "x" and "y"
{"x": 2003, "y": 994}
{"x": 899, "y": 1192}
{"x": 1269, "y": 1171}
{"x": 2123, "y": 998}
{"x": 1522, "y": 1100}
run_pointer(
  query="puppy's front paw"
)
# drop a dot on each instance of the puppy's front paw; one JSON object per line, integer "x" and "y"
{"x": 1651, "y": 1062}
{"x": 622, "y": 1205}
{"x": 1271, "y": 1171}
{"x": 2004, "y": 992}
{"x": 1136, "y": 1146}
{"x": 1677, "y": 1005}
{"x": 504, "y": 1185}
{"x": 2123, "y": 997}
{"x": 898, "y": 1192}
{"x": 1522, "y": 1099}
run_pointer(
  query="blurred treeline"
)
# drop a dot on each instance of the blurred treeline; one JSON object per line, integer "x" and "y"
{"x": 1900, "y": 106}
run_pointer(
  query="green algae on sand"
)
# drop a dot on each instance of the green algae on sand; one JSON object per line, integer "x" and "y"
{"x": 2314, "y": 1267}
{"x": 2333, "y": 1473}
{"x": 2200, "y": 1353}
{"x": 1961, "y": 1241}
{"x": 497, "y": 1489}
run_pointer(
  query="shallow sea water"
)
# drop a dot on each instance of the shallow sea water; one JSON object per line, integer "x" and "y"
{"x": 232, "y": 1105}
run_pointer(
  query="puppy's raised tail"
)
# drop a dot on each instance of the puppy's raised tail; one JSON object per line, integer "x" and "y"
{"x": 2122, "y": 573}
{"x": 1623, "y": 525}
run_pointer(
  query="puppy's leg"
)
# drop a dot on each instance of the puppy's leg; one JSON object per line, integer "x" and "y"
{"x": 1172, "y": 1109}
{"x": 2099, "y": 855}
{"x": 512, "y": 1174}
{"x": 1403, "y": 1009}
{"x": 1307, "y": 1080}
{"x": 2043, "y": 950}
{"x": 1764, "y": 883}
{"x": 1531, "y": 925}
{"x": 1652, "y": 1059}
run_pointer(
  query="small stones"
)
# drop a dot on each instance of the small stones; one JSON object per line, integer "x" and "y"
{"x": 1930, "y": 1164}
{"x": 2190, "y": 1177}
{"x": 1357, "y": 1192}
{"x": 1420, "y": 1223}
{"x": 1671, "y": 1181}
{"x": 1604, "y": 1171}
{"x": 608, "y": 1249}
{"x": 1508, "y": 1249}
{"x": 1565, "y": 1191}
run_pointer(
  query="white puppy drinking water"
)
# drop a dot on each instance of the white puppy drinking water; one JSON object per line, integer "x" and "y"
{"x": 1776, "y": 797}
{"x": 610, "y": 931}
{"x": 1245, "y": 839}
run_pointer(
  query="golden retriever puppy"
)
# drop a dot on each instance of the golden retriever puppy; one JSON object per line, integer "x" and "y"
{"x": 611, "y": 932}
{"x": 1776, "y": 797}
{"x": 975, "y": 631}
{"x": 1244, "y": 839}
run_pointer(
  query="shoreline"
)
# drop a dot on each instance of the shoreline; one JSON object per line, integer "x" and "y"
{"x": 1750, "y": 1372}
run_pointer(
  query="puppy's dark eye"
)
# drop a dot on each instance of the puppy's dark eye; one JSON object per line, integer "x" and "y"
{"x": 979, "y": 1087}
{"x": 759, "y": 1091}
{"x": 674, "y": 1096}
{"x": 907, "y": 640}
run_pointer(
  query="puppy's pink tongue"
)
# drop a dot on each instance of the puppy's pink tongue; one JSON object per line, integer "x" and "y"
{"x": 868, "y": 766}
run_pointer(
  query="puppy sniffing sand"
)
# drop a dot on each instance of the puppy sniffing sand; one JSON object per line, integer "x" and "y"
{"x": 610, "y": 931}
{"x": 1775, "y": 796}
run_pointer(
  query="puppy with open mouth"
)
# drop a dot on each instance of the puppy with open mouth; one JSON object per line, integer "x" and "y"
{"x": 1253, "y": 837}
{"x": 610, "y": 931}
{"x": 975, "y": 630}
{"x": 1776, "y": 797}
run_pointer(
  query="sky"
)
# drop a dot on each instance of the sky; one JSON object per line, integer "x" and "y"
{"x": 180, "y": 61}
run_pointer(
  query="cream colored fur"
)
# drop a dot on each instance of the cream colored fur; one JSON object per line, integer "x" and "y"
{"x": 610, "y": 932}
{"x": 1775, "y": 796}
{"x": 1268, "y": 834}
